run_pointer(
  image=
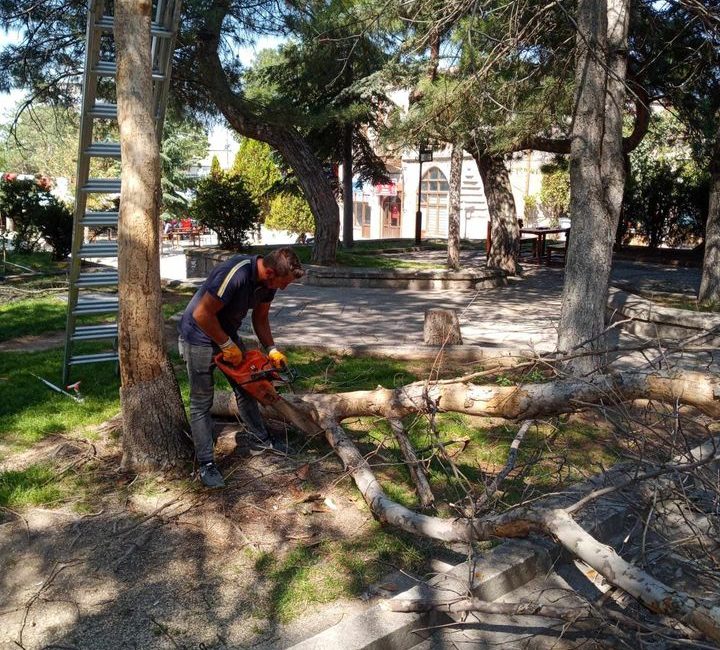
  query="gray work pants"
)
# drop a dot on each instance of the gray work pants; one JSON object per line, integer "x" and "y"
{"x": 200, "y": 368}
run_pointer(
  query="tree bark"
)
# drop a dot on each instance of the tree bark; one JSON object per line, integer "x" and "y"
{"x": 504, "y": 229}
{"x": 710, "y": 283}
{"x": 453, "y": 245}
{"x": 286, "y": 140}
{"x": 153, "y": 413}
{"x": 442, "y": 327}
{"x": 314, "y": 413}
{"x": 523, "y": 402}
{"x": 596, "y": 177}
{"x": 348, "y": 187}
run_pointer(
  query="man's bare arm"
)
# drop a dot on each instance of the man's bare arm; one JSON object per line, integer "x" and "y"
{"x": 205, "y": 315}
{"x": 261, "y": 324}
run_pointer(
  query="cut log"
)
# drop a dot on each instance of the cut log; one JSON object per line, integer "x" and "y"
{"x": 442, "y": 327}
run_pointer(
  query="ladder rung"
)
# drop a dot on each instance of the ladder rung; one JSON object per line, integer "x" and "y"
{"x": 104, "y": 150}
{"x": 99, "y": 249}
{"x": 95, "y": 332}
{"x": 97, "y": 279}
{"x": 100, "y": 219}
{"x": 109, "y": 69}
{"x": 93, "y": 358}
{"x": 95, "y": 306}
{"x": 104, "y": 110}
{"x": 106, "y": 23}
{"x": 102, "y": 185}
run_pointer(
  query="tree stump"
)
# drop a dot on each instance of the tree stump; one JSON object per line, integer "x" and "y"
{"x": 442, "y": 327}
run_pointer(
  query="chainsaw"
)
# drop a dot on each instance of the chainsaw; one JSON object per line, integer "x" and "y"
{"x": 256, "y": 375}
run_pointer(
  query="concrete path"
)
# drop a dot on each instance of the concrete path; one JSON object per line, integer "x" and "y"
{"x": 522, "y": 315}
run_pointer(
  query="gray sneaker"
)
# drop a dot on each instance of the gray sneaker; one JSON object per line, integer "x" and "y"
{"x": 210, "y": 476}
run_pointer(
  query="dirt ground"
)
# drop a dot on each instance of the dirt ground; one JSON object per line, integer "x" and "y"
{"x": 163, "y": 567}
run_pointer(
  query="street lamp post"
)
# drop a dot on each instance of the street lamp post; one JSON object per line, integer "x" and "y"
{"x": 425, "y": 154}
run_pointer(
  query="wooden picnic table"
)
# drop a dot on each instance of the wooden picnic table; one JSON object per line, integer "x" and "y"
{"x": 541, "y": 235}
{"x": 193, "y": 234}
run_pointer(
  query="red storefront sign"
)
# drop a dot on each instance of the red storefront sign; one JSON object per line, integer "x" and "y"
{"x": 386, "y": 189}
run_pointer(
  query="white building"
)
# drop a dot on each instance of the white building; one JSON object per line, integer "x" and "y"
{"x": 388, "y": 211}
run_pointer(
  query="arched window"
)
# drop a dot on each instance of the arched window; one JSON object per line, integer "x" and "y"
{"x": 435, "y": 194}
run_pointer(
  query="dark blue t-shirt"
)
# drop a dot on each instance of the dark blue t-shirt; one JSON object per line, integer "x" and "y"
{"x": 235, "y": 283}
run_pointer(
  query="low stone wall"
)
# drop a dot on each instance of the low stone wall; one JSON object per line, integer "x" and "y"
{"x": 199, "y": 262}
{"x": 651, "y": 320}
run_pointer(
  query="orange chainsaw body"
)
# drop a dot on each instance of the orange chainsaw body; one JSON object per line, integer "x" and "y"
{"x": 254, "y": 375}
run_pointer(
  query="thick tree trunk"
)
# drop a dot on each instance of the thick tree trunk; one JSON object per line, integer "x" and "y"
{"x": 504, "y": 229}
{"x": 524, "y": 402}
{"x": 348, "y": 187}
{"x": 710, "y": 283}
{"x": 453, "y": 245}
{"x": 596, "y": 176}
{"x": 153, "y": 413}
{"x": 286, "y": 140}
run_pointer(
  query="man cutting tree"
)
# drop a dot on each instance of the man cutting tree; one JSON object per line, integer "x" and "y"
{"x": 210, "y": 324}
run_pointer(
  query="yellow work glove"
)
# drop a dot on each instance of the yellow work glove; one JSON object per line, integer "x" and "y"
{"x": 277, "y": 358}
{"x": 232, "y": 354}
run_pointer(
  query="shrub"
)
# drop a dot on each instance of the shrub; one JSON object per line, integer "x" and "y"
{"x": 55, "y": 222}
{"x": 19, "y": 201}
{"x": 555, "y": 190}
{"x": 224, "y": 205}
{"x": 292, "y": 213}
{"x": 36, "y": 214}
{"x": 666, "y": 194}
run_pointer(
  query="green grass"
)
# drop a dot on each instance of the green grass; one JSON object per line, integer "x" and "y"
{"x": 334, "y": 373}
{"x": 41, "y": 262}
{"x": 322, "y": 573}
{"x": 33, "y": 486}
{"x": 29, "y": 410}
{"x": 565, "y": 453}
{"x": 32, "y": 316}
{"x": 676, "y": 302}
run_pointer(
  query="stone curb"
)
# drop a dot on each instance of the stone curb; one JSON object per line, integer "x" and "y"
{"x": 500, "y": 571}
{"x": 657, "y": 321}
{"x": 503, "y": 569}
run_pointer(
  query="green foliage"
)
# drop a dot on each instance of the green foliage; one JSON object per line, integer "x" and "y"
{"x": 256, "y": 165}
{"x": 215, "y": 169}
{"x": 55, "y": 222}
{"x": 317, "y": 81}
{"x": 36, "y": 214}
{"x": 555, "y": 191}
{"x": 44, "y": 141}
{"x": 224, "y": 205}
{"x": 292, "y": 213}
{"x": 666, "y": 195}
{"x": 184, "y": 144}
{"x": 19, "y": 201}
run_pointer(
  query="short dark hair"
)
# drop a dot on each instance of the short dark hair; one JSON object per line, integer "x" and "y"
{"x": 284, "y": 261}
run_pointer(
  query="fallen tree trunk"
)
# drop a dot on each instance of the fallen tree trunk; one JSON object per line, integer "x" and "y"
{"x": 523, "y": 402}
{"x": 314, "y": 413}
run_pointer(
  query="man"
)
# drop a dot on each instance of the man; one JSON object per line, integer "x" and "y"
{"x": 210, "y": 325}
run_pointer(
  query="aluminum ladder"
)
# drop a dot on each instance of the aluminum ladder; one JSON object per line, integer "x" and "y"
{"x": 84, "y": 283}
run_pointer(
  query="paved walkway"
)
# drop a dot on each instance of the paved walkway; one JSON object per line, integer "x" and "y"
{"x": 522, "y": 315}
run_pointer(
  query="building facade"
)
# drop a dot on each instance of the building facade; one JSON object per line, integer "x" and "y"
{"x": 388, "y": 211}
